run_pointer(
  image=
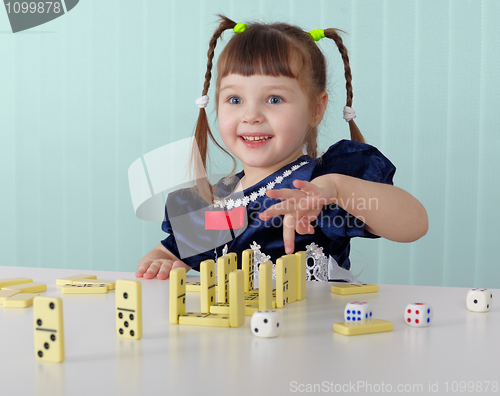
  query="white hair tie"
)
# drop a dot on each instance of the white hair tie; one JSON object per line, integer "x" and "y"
{"x": 349, "y": 113}
{"x": 202, "y": 101}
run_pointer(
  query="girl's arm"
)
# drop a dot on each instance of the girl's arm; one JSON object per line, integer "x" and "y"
{"x": 387, "y": 211}
{"x": 158, "y": 262}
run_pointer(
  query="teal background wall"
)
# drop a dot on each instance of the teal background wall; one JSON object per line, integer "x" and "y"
{"x": 85, "y": 95}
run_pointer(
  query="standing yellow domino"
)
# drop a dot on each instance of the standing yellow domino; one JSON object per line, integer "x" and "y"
{"x": 207, "y": 274}
{"x": 301, "y": 275}
{"x": 234, "y": 261}
{"x": 28, "y": 287}
{"x": 291, "y": 266}
{"x": 363, "y": 327}
{"x": 49, "y": 329}
{"x": 354, "y": 288}
{"x": 70, "y": 279}
{"x": 129, "y": 309}
{"x": 177, "y": 300}
{"x": 14, "y": 281}
{"x": 85, "y": 289}
{"x": 266, "y": 286}
{"x": 281, "y": 282}
{"x": 223, "y": 270}
{"x": 20, "y": 300}
{"x": 247, "y": 265}
{"x": 236, "y": 298}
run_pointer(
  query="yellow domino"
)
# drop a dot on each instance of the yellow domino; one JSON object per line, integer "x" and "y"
{"x": 255, "y": 300}
{"x": 5, "y": 294}
{"x": 223, "y": 308}
{"x": 363, "y": 327}
{"x": 70, "y": 279}
{"x": 85, "y": 289}
{"x": 281, "y": 282}
{"x": 223, "y": 271}
{"x": 236, "y": 316}
{"x": 236, "y": 298}
{"x": 247, "y": 265}
{"x": 301, "y": 275}
{"x": 266, "y": 286}
{"x": 193, "y": 286}
{"x": 204, "y": 319}
{"x": 196, "y": 287}
{"x": 233, "y": 257}
{"x": 128, "y": 309}
{"x": 20, "y": 300}
{"x": 14, "y": 281}
{"x": 354, "y": 288}
{"x": 28, "y": 287}
{"x": 207, "y": 274}
{"x": 291, "y": 267}
{"x": 108, "y": 283}
{"x": 177, "y": 300}
{"x": 48, "y": 329}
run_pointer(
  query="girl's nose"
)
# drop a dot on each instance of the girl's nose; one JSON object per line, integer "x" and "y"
{"x": 252, "y": 115}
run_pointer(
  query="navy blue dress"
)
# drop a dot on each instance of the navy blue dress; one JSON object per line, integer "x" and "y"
{"x": 193, "y": 237}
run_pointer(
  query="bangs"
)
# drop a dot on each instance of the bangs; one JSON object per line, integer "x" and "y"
{"x": 266, "y": 52}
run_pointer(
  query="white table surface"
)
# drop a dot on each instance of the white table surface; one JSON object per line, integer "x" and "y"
{"x": 459, "y": 349}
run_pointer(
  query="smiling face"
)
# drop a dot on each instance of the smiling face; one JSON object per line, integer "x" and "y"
{"x": 263, "y": 120}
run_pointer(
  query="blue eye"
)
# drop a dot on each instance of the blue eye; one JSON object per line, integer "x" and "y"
{"x": 274, "y": 100}
{"x": 234, "y": 100}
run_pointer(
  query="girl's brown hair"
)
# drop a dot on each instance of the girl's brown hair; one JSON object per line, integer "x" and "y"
{"x": 267, "y": 49}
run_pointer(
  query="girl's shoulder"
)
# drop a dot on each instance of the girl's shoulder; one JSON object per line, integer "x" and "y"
{"x": 355, "y": 159}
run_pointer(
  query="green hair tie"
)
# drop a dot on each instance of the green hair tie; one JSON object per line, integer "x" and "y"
{"x": 240, "y": 27}
{"x": 317, "y": 34}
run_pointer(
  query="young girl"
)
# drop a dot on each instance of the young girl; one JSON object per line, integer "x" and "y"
{"x": 270, "y": 98}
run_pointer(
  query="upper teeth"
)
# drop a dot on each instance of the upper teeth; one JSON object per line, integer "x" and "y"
{"x": 253, "y": 138}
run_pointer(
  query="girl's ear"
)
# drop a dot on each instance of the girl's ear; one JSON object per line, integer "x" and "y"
{"x": 319, "y": 109}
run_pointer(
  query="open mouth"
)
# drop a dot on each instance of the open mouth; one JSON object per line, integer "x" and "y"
{"x": 256, "y": 139}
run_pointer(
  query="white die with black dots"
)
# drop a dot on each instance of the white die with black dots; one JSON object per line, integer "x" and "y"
{"x": 479, "y": 300}
{"x": 418, "y": 314}
{"x": 266, "y": 324}
{"x": 358, "y": 310}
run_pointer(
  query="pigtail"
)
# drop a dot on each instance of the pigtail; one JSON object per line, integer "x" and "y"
{"x": 202, "y": 132}
{"x": 332, "y": 34}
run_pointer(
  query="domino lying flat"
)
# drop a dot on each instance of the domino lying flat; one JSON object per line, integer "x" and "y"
{"x": 5, "y": 294}
{"x": 20, "y": 300}
{"x": 363, "y": 327}
{"x": 85, "y": 288}
{"x": 49, "y": 329}
{"x": 110, "y": 284}
{"x": 14, "y": 281}
{"x": 354, "y": 288}
{"x": 27, "y": 287}
{"x": 70, "y": 279}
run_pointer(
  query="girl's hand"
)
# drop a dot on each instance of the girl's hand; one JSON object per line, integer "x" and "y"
{"x": 300, "y": 207}
{"x": 158, "y": 267}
